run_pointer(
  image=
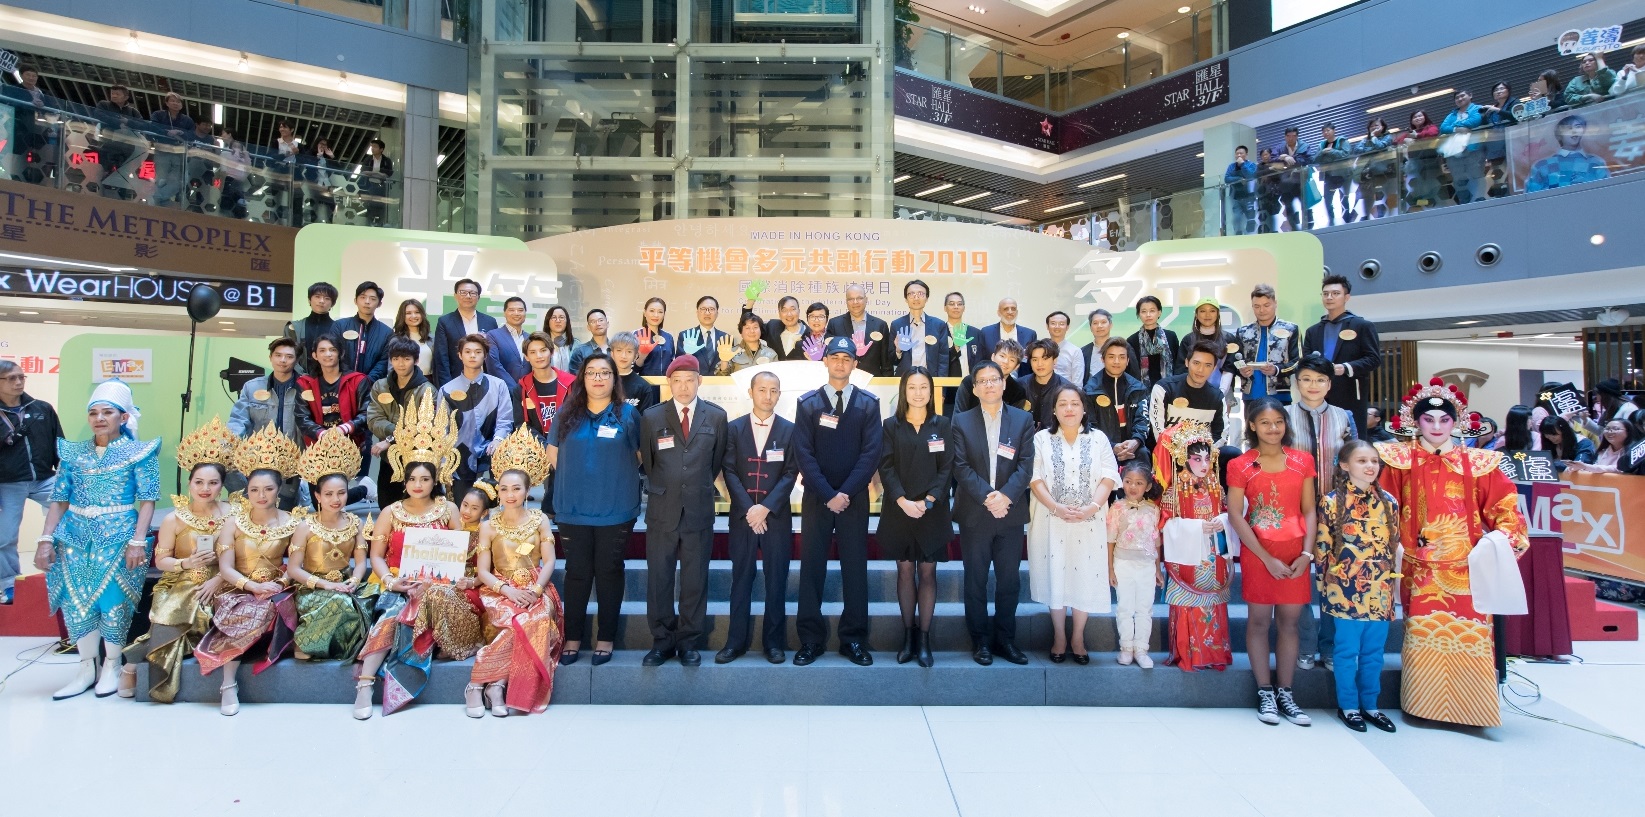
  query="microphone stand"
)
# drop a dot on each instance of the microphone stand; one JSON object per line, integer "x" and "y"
{"x": 188, "y": 398}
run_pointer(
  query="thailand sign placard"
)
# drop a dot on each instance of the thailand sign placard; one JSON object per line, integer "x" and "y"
{"x": 434, "y": 555}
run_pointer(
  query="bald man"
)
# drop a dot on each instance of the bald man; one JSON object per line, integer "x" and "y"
{"x": 872, "y": 336}
{"x": 1007, "y": 328}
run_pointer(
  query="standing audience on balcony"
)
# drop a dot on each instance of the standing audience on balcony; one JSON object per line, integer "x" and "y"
{"x": 1294, "y": 156}
{"x": 1421, "y": 162}
{"x": 1268, "y": 206}
{"x": 1378, "y": 168}
{"x": 1628, "y": 77}
{"x": 1240, "y": 177}
{"x": 1592, "y": 83}
{"x": 1498, "y": 116}
{"x": 1467, "y": 161}
{"x": 1336, "y": 169}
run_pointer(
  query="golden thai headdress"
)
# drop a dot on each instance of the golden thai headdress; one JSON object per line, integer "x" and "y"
{"x": 332, "y": 453}
{"x": 212, "y": 442}
{"x": 266, "y": 449}
{"x": 521, "y": 452}
{"x": 426, "y": 433}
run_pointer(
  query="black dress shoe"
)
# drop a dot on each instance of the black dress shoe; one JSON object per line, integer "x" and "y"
{"x": 924, "y": 656}
{"x": 728, "y": 655}
{"x": 1059, "y": 657}
{"x": 1378, "y": 720}
{"x": 1009, "y": 652}
{"x": 656, "y": 657}
{"x": 1082, "y": 658}
{"x": 856, "y": 654}
{"x": 1351, "y": 719}
{"x": 982, "y": 656}
{"x": 906, "y": 654}
{"x": 691, "y": 658}
{"x": 775, "y": 655}
{"x": 568, "y": 658}
{"x": 808, "y": 654}
{"x": 600, "y": 658}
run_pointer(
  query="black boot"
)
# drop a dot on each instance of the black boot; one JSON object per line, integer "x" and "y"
{"x": 922, "y": 640}
{"x": 906, "y": 654}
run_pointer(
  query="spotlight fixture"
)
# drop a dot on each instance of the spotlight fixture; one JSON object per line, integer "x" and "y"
{"x": 977, "y": 9}
{"x": 1124, "y": 35}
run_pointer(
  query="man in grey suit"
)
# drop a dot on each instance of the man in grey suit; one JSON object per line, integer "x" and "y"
{"x": 993, "y": 463}
{"x": 684, "y": 447}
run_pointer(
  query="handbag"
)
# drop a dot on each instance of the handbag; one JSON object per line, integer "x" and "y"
{"x": 1311, "y": 194}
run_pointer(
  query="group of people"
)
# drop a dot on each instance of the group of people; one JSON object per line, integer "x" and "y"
{"x": 215, "y": 156}
{"x": 1112, "y": 466}
{"x": 1393, "y": 170}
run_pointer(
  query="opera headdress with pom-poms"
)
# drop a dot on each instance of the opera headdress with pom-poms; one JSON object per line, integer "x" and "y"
{"x": 521, "y": 452}
{"x": 332, "y": 453}
{"x": 1436, "y": 396}
{"x": 266, "y": 450}
{"x": 425, "y": 433}
{"x": 212, "y": 442}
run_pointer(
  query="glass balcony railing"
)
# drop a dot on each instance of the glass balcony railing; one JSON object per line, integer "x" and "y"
{"x": 1380, "y": 178}
{"x": 988, "y": 64}
{"x": 102, "y": 153}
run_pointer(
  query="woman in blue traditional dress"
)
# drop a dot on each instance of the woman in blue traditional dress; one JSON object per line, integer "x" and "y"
{"x": 94, "y": 548}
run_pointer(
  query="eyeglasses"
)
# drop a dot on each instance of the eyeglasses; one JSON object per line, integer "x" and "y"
{"x": 468, "y": 293}
{"x": 17, "y": 377}
{"x": 598, "y": 375}
{"x": 992, "y": 381}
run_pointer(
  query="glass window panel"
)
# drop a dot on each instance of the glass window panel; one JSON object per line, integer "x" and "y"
{"x": 839, "y": 195}
{"x": 793, "y": 108}
{"x": 533, "y": 205}
{"x": 585, "y": 106}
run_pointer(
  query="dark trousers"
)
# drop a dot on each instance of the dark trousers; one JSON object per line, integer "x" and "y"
{"x": 1290, "y": 197}
{"x": 389, "y": 491}
{"x": 664, "y": 550}
{"x": 776, "y": 545}
{"x": 1001, "y": 545}
{"x": 818, "y": 525}
{"x": 594, "y": 560}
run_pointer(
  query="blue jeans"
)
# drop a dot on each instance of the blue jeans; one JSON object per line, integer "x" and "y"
{"x": 13, "y": 496}
{"x": 1358, "y": 662}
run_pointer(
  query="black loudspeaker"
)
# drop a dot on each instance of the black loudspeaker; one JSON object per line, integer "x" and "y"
{"x": 239, "y": 373}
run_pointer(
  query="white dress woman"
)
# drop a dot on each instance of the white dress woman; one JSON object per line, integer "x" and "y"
{"x": 1068, "y": 548}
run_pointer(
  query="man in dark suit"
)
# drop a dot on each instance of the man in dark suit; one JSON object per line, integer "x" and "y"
{"x": 703, "y": 340}
{"x": 917, "y": 338}
{"x": 365, "y": 339}
{"x": 1350, "y": 343}
{"x": 870, "y": 336}
{"x": 760, "y": 475}
{"x": 965, "y": 341}
{"x": 684, "y": 447}
{"x": 993, "y": 462}
{"x": 454, "y": 326}
{"x": 1008, "y": 328}
{"x": 837, "y": 440}
{"x": 506, "y": 360}
{"x": 1101, "y": 322}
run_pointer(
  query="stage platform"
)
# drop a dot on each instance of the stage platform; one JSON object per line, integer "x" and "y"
{"x": 751, "y": 680}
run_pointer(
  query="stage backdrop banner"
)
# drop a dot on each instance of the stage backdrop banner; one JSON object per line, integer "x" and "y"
{"x": 618, "y": 268}
{"x": 60, "y": 224}
{"x": 1602, "y": 520}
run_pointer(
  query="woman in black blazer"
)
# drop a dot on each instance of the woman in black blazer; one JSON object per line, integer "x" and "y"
{"x": 915, "y": 520}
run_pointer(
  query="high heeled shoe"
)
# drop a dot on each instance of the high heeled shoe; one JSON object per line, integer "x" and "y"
{"x": 230, "y": 704}
{"x": 363, "y": 684}
{"x": 494, "y": 697}
{"x": 128, "y": 682}
{"x": 472, "y": 705}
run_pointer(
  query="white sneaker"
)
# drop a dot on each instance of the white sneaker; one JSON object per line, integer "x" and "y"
{"x": 1305, "y": 662}
{"x": 1144, "y": 661}
{"x": 1125, "y": 657}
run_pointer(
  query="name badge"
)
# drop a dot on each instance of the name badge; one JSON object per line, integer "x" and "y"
{"x": 1347, "y": 334}
{"x": 774, "y": 455}
{"x": 829, "y": 421}
{"x": 666, "y": 442}
{"x": 1007, "y": 451}
{"x": 935, "y": 446}
{"x": 610, "y": 433}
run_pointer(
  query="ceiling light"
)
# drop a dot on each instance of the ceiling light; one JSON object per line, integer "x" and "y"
{"x": 439, "y": 160}
{"x": 53, "y": 322}
{"x": 226, "y": 323}
{"x": 1403, "y": 102}
{"x": 1012, "y": 204}
{"x": 903, "y": 178}
{"x": 1124, "y": 35}
{"x": 938, "y": 189}
{"x": 1064, "y": 206}
{"x": 972, "y": 197}
{"x": 1466, "y": 323}
{"x": 60, "y": 263}
{"x": 217, "y": 112}
{"x": 1199, "y": 155}
{"x": 231, "y": 330}
{"x": 977, "y": 9}
{"x": 1027, "y": 76}
{"x": 1183, "y": 9}
{"x": 27, "y": 312}
{"x": 1114, "y": 178}
{"x": 1596, "y": 239}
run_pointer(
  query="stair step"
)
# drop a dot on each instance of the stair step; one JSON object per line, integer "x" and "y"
{"x": 955, "y": 680}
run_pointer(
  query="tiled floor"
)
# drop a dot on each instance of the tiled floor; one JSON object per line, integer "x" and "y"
{"x": 60, "y": 758}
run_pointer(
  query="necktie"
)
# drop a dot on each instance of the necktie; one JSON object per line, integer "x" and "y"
{"x": 839, "y": 402}
{"x": 685, "y": 423}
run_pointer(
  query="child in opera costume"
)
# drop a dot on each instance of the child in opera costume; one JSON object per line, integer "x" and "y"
{"x": 1185, "y": 466}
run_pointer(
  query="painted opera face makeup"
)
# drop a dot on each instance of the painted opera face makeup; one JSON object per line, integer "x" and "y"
{"x": 1435, "y": 427}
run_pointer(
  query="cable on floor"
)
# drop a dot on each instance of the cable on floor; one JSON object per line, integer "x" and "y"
{"x": 40, "y": 651}
{"x": 1534, "y": 695}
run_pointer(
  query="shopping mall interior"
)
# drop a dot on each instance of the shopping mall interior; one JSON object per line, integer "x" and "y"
{"x": 180, "y": 179}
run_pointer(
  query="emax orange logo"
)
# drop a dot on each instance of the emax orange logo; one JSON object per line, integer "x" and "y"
{"x": 1592, "y": 517}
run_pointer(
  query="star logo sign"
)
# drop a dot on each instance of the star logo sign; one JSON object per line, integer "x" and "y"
{"x": 1045, "y": 126}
